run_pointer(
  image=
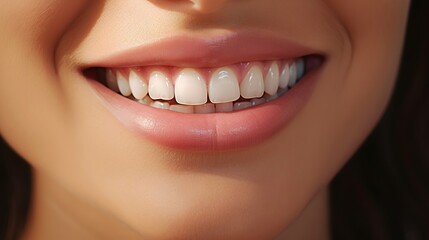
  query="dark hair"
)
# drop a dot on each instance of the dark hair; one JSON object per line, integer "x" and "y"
{"x": 381, "y": 193}
{"x": 15, "y": 192}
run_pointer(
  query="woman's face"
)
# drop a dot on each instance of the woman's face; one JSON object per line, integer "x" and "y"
{"x": 163, "y": 174}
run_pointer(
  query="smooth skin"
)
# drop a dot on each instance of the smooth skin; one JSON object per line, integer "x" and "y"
{"x": 94, "y": 179}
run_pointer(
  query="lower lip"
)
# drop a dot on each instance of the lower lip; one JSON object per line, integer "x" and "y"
{"x": 208, "y": 132}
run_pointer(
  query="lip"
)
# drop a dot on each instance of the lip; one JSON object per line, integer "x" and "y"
{"x": 208, "y": 132}
{"x": 191, "y": 50}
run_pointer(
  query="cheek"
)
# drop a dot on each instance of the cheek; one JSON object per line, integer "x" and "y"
{"x": 376, "y": 45}
{"x": 30, "y": 96}
{"x": 364, "y": 74}
{"x": 354, "y": 90}
{"x": 40, "y": 23}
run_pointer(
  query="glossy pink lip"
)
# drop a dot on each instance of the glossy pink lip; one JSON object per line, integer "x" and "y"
{"x": 203, "y": 51}
{"x": 218, "y": 131}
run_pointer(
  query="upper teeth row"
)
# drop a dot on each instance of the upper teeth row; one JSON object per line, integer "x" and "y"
{"x": 190, "y": 86}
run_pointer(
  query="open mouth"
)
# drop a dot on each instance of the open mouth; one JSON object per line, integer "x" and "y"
{"x": 207, "y": 93}
{"x": 208, "y": 90}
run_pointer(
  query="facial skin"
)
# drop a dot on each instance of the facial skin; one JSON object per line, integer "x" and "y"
{"x": 94, "y": 179}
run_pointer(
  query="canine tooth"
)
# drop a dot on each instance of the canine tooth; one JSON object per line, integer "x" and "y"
{"x": 257, "y": 101}
{"x": 137, "y": 85}
{"x": 146, "y": 100}
{"x": 224, "y": 107}
{"x": 190, "y": 88}
{"x": 160, "y": 86}
{"x": 112, "y": 83}
{"x": 300, "y": 68}
{"x": 293, "y": 74}
{"x": 223, "y": 86}
{"x": 182, "y": 108}
{"x": 160, "y": 105}
{"x": 284, "y": 77}
{"x": 205, "y": 108}
{"x": 252, "y": 85}
{"x": 123, "y": 85}
{"x": 271, "y": 82}
{"x": 241, "y": 105}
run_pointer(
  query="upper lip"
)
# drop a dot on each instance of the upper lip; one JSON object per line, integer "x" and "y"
{"x": 193, "y": 50}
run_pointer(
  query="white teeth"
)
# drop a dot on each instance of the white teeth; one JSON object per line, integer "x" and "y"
{"x": 242, "y": 105}
{"x": 293, "y": 74}
{"x": 124, "y": 86}
{"x": 112, "y": 83}
{"x": 271, "y": 82}
{"x": 284, "y": 77}
{"x": 224, "y": 107}
{"x": 223, "y": 86}
{"x": 259, "y": 83}
{"x": 182, "y": 108}
{"x": 252, "y": 85}
{"x": 160, "y": 86}
{"x": 300, "y": 68}
{"x": 205, "y": 108}
{"x": 190, "y": 88}
{"x": 160, "y": 105}
{"x": 137, "y": 85}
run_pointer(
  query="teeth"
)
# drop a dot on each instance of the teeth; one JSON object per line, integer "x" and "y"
{"x": 124, "y": 86}
{"x": 284, "y": 77}
{"x": 252, "y": 85}
{"x": 190, "y": 93}
{"x": 271, "y": 98}
{"x": 205, "y": 108}
{"x": 112, "y": 83}
{"x": 242, "y": 105}
{"x": 146, "y": 100}
{"x": 300, "y": 68}
{"x": 160, "y": 105}
{"x": 271, "y": 82}
{"x": 160, "y": 87}
{"x": 224, "y": 107}
{"x": 282, "y": 91}
{"x": 257, "y": 101}
{"x": 137, "y": 85}
{"x": 293, "y": 74}
{"x": 223, "y": 86}
{"x": 182, "y": 108}
{"x": 190, "y": 88}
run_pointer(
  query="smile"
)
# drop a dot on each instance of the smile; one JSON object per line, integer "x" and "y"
{"x": 190, "y": 100}
{"x": 191, "y": 90}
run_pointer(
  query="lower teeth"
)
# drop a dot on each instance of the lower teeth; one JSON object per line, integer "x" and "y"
{"x": 210, "y": 107}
